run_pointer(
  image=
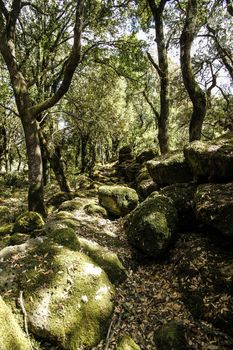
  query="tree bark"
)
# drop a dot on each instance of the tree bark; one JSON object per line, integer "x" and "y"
{"x": 196, "y": 94}
{"x": 35, "y": 170}
{"x": 162, "y": 69}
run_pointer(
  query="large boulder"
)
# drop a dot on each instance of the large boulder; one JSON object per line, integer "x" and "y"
{"x": 170, "y": 169}
{"x": 214, "y": 207}
{"x": 11, "y": 334}
{"x": 28, "y": 222}
{"x": 125, "y": 153}
{"x": 67, "y": 297}
{"x": 151, "y": 225}
{"x": 118, "y": 200}
{"x": 182, "y": 195}
{"x": 211, "y": 160}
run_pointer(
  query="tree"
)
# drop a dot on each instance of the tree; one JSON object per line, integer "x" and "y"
{"x": 162, "y": 116}
{"x": 28, "y": 110}
{"x": 196, "y": 94}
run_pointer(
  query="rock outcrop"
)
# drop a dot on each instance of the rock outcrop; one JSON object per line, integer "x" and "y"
{"x": 151, "y": 226}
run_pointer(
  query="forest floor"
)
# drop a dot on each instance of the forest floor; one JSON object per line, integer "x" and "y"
{"x": 153, "y": 293}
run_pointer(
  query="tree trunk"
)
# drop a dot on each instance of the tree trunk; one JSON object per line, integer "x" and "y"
{"x": 35, "y": 172}
{"x": 58, "y": 169}
{"x": 196, "y": 94}
{"x": 162, "y": 69}
{"x": 84, "y": 163}
{"x": 53, "y": 154}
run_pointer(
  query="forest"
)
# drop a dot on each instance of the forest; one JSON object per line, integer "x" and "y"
{"x": 116, "y": 174}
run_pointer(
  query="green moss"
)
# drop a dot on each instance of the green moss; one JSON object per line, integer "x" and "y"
{"x": 118, "y": 200}
{"x": 94, "y": 209}
{"x": 66, "y": 237}
{"x": 152, "y": 224}
{"x": 127, "y": 343}
{"x": 28, "y": 222}
{"x": 106, "y": 259}
{"x": 75, "y": 204}
{"x": 11, "y": 335}
{"x": 6, "y": 229}
{"x": 171, "y": 337}
{"x": 68, "y": 298}
{"x": 19, "y": 238}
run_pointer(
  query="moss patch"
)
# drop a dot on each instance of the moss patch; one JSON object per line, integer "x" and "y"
{"x": 11, "y": 335}
{"x": 66, "y": 237}
{"x": 28, "y": 221}
{"x": 127, "y": 343}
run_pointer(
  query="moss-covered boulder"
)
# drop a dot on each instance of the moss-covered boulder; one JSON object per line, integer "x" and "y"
{"x": 95, "y": 209}
{"x": 65, "y": 236}
{"x": 11, "y": 335}
{"x": 170, "y": 169}
{"x": 214, "y": 207}
{"x": 60, "y": 197}
{"x": 74, "y": 204}
{"x": 145, "y": 188}
{"x": 211, "y": 160}
{"x": 127, "y": 343}
{"x": 28, "y": 222}
{"x": 171, "y": 337}
{"x": 5, "y": 214}
{"x": 151, "y": 226}
{"x": 182, "y": 195}
{"x": 106, "y": 259}
{"x": 67, "y": 297}
{"x": 146, "y": 155}
{"x": 117, "y": 200}
{"x": 125, "y": 153}
{"x": 18, "y": 238}
{"x": 132, "y": 171}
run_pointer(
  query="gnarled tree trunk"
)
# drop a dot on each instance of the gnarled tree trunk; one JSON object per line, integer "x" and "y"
{"x": 196, "y": 94}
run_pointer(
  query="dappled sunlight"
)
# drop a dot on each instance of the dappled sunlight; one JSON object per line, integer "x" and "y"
{"x": 101, "y": 292}
{"x": 91, "y": 269}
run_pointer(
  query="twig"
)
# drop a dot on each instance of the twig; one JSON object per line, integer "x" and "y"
{"x": 110, "y": 334}
{"x": 21, "y": 303}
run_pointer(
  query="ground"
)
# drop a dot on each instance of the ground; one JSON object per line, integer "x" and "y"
{"x": 153, "y": 293}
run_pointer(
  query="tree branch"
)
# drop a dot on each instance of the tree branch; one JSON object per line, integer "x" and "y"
{"x": 154, "y": 64}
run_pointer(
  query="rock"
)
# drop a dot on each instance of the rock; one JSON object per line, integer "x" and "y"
{"x": 146, "y": 187}
{"x": 171, "y": 337}
{"x": 19, "y": 238}
{"x": 151, "y": 226}
{"x": 60, "y": 197}
{"x": 74, "y": 204}
{"x": 125, "y": 153}
{"x": 94, "y": 209}
{"x": 28, "y": 221}
{"x": 146, "y": 155}
{"x": 118, "y": 200}
{"x": 132, "y": 171}
{"x": 182, "y": 195}
{"x": 106, "y": 259}
{"x": 211, "y": 160}
{"x": 66, "y": 237}
{"x": 67, "y": 297}
{"x": 214, "y": 207}
{"x": 170, "y": 169}
{"x": 127, "y": 343}
{"x": 11, "y": 335}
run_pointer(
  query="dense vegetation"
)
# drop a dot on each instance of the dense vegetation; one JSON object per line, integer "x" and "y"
{"x": 80, "y": 79}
